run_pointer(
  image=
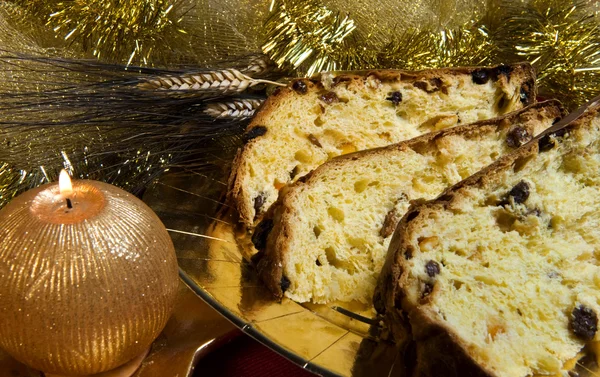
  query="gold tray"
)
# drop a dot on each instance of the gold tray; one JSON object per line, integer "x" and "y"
{"x": 339, "y": 339}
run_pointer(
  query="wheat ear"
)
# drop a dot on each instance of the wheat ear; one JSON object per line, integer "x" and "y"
{"x": 236, "y": 109}
{"x": 258, "y": 64}
{"x": 212, "y": 82}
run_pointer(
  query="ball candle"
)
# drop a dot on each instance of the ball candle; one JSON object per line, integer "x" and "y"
{"x": 88, "y": 278}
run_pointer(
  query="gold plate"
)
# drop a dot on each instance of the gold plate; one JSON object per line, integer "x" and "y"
{"x": 338, "y": 339}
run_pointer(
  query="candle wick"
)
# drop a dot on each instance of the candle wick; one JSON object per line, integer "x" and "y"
{"x": 69, "y": 204}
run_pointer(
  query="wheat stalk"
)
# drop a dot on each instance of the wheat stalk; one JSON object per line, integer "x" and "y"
{"x": 220, "y": 82}
{"x": 237, "y": 109}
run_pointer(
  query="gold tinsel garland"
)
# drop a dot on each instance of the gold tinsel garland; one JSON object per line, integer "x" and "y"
{"x": 416, "y": 50}
{"x": 561, "y": 39}
{"x": 307, "y": 36}
{"x": 109, "y": 29}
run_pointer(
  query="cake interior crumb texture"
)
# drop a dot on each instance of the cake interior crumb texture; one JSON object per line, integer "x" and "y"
{"x": 336, "y": 227}
{"x": 511, "y": 267}
{"x": 306, "y": 124}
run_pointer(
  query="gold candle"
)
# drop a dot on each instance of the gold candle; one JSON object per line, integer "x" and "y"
{"x": 88, "y": 277}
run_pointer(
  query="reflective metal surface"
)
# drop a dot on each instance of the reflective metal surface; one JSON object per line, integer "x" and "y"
{"x": 193, "y": 331}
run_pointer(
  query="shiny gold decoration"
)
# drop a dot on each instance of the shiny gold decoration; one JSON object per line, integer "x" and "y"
{"x": 379, "y": 22}
{"x": 562, "y": 40}
{"x": 149, "y": 33}
{"x": 10, "y": 182}
{"x": 466, "y": 46}
{"x": 32, "y": 151}
{"x": 306, "y": 35}
{"x": 110, "y": 29}
{"x": 234, "y": 109}
{"x": 83, "y": 290}
{"x": 204, "y": 31}
{"x": 309, "y": 37}
{"x": 221, "y": 30}
{"x": 312, "y": 36}
{"x": 338, "y": 34}
{"x": 21, "y": 32}
{"x": 299, "y": 34}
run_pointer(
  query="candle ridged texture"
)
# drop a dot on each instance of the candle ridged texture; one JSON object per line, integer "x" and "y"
{"x": 85, "y": 291}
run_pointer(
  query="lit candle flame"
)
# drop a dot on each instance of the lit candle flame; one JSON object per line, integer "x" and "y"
{"x": 64, "y": 183}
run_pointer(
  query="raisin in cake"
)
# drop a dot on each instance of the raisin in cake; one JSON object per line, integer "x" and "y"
{"x": 500, "y": 276}
{"x": 303, "y": 125}
{"x": 332, "y": 228}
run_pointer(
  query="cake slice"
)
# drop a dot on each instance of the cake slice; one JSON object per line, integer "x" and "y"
{"x": 312, "y": 120}
{"x": 331, "y": 230}
{"x": 500, "y": 276}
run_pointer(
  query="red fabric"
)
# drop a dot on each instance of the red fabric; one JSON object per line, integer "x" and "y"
{"x": 245, "y": 357}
